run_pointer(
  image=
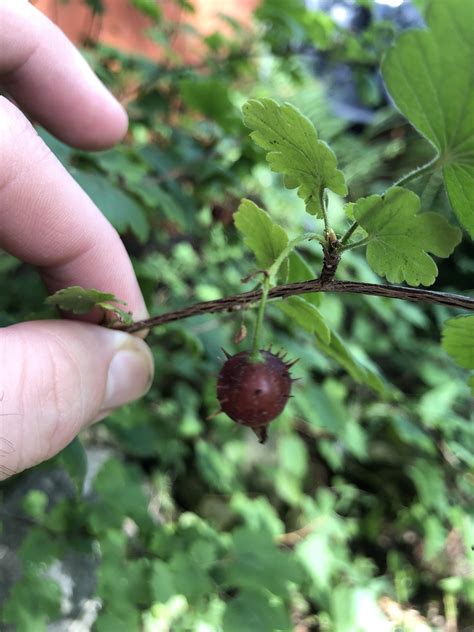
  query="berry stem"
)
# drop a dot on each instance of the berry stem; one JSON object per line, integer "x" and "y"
{"x": 286, "y": 252}
{"x": 255, "y": 355}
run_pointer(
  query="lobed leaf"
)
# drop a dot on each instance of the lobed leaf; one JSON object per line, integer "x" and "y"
{"x": 293, "y": 149}
{"x": 79, "y": 300}
{"x": 430, "y": 75}
{"x": 400, "y": 239}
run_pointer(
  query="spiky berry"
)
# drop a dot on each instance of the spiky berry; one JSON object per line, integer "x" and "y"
{"x": 254, "y": 393}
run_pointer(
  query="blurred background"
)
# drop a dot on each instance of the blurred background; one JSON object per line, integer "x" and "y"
{"x": 358, "y": 514}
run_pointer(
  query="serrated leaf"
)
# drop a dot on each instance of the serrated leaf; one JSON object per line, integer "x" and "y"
{"x": 306, "y": 315}
{"x": 401, "y": 239}
{"x": 458, "y": 340}
{"x": 79, "y": 300}
{"x": 294, "y": 150}
{"x": 430, "y": 75}
{"x": 265, "y": 238}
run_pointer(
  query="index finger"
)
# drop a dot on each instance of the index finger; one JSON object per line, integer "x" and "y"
{"x": 47, "y": 220}
{"x": 48, "y": 78}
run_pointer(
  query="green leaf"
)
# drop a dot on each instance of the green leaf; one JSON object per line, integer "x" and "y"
{"x": 256, "y": 561}
{"x": 458, "y": 340}
{"x": 217, "y": 470}
{"x": 120, "y": 491}
{"x": 294, "y": 150}
{"x": 211, "y": 97}
{"x": 79, "y": 300}
{"x": 300, "y": 270}
{"x": 253, "y": 610}
{"x": 400, "y": 239}
{"x": 265, "y": 238}
{"x": 359, "y": 371}
{"x": 306, "y": 316}
{"x": 33, "y": 601}
{"x": 190, "y": 579}
{"x": 162, "y": 584}
{"x": 430, "y": 75}
{"x": 122, "y": 211}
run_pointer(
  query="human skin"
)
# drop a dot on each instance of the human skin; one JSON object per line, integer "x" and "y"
{"x": 58, "y": 376}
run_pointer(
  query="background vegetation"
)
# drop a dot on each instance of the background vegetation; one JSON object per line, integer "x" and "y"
{"x": 357, "y": 515}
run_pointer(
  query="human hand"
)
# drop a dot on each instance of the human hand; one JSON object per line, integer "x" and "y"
{"x": 56, "y": 377}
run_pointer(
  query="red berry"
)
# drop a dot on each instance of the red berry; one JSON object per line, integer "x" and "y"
{"x": 254, "y": 393}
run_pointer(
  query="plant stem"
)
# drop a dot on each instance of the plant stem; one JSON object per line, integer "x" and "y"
{"x": 247, "y": 299}
{"x": 273, "y": 270}
{"x": 322, "y": 201}
{"x": 356, "y": 244}
{"x": 349, "y": 232}
{"x": 255, "y": 356}
{"x": 416, "y": 173}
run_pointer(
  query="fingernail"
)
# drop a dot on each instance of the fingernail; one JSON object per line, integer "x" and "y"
{"x": 129, "y": 377}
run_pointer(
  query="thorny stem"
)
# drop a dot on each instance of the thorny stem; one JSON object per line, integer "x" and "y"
{"x": 255, "y": 356}
{"x": 247, "y": 299}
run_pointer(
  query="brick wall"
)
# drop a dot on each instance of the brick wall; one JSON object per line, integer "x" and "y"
{"x": 124, "y": 27}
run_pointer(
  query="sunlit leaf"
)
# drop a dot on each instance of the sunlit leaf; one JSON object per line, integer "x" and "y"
{"x": 293, "y": 149}
{"x": 430, "y": 75}
{"x": 265, "y": 238}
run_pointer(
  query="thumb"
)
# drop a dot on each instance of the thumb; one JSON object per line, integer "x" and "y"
{"x": 56, "y": 377}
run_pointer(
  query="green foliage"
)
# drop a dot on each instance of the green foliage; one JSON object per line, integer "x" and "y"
{"x": 400, "y": 238}
{"x": 44, "y": 607}
{"x": 458, "y": 341}
{"x": 430, "y": 76}
{"x": 306, "y": 315}
{"x": 79, "y": 300}
{"x": 293, "y": 149}
{"x": 266, "y": 239}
